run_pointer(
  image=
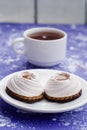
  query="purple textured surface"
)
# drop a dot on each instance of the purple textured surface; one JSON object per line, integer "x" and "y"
{"x": 75, "y": 62}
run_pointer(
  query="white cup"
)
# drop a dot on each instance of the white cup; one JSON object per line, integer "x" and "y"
{"x": 42, "y": 52}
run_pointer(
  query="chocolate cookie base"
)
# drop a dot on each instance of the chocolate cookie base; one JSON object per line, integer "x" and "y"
{"x": 23, "y": 98}
{"x": 63, "y": 99}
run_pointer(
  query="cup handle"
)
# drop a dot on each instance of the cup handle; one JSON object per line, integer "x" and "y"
{"x": 15, "y": 44}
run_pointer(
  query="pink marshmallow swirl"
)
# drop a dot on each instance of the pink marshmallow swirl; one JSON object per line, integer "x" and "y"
{"x": 62, "y": 85}
{"x": 25, "y": 84}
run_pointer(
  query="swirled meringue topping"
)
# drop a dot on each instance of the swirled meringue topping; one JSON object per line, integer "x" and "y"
{"x": 62, "y": 85}
{"x": 25, "y": 84}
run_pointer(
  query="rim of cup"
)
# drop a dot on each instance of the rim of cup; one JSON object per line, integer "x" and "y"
{"x": 44, "y": 29}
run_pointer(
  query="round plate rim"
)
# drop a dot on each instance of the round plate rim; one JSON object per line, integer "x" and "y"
{"x": 20, "y": 105}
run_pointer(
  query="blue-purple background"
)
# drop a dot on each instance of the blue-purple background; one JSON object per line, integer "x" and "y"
{"x": 75, "y": 62}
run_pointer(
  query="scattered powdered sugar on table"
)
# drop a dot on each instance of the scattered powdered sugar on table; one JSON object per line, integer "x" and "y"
{"x": 5, "y": 121}
{"x": 81, "y": 37}
{"x": 9, "y": 59}
{"x": 75, "y": 62}
{"x": 73, "y": 26}
{"x": 66, "y": 124}
{"x": 54, "y": 119}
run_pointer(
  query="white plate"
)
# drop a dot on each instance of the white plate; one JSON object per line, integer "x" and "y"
{"x": 44, "y": 106}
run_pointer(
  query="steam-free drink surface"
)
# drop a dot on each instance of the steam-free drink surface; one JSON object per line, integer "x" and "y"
{"x": 46, "y": 35}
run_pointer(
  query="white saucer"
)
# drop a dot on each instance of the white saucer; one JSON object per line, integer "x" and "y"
{"x": 44, "y": 106}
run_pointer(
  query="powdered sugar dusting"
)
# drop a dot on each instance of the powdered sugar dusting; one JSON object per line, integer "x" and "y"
{"x": 74, "y": 62}
{"x": 5, "y": 121}
{"x": 81, "y": 37}
{"x": 54, "y": 119}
